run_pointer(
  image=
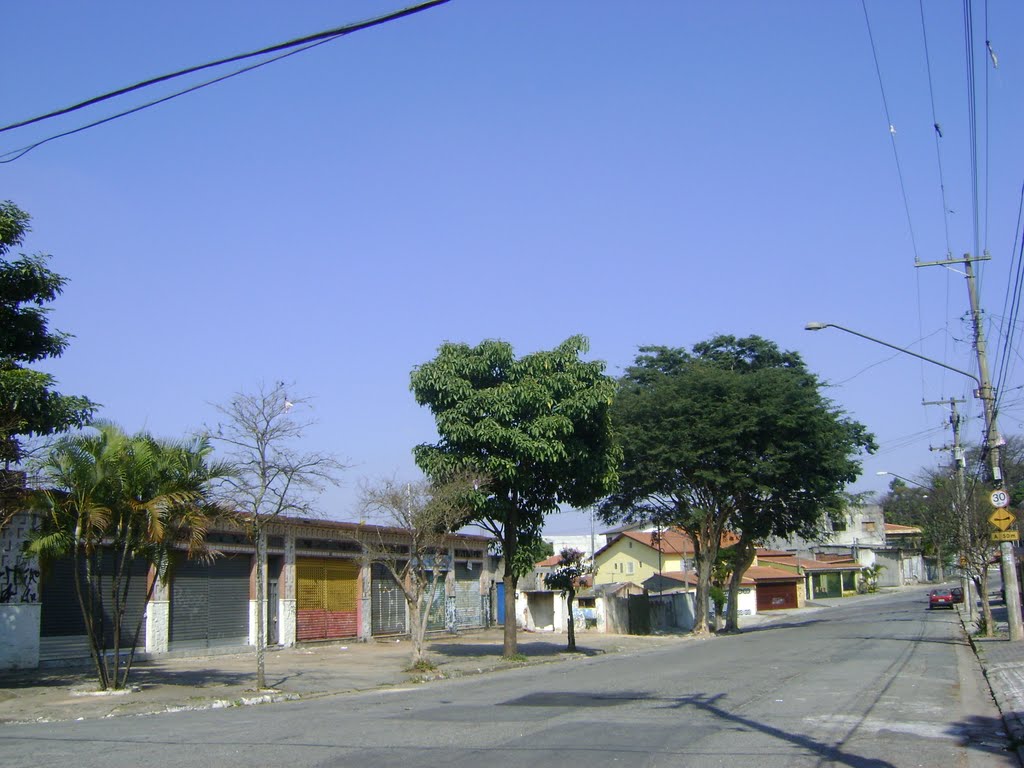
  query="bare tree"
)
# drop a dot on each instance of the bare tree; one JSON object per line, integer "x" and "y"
{"x": 271, "y": 477}
{"x": 419, "y": 518}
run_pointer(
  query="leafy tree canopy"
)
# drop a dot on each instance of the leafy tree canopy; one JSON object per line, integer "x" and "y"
{"x": 538, "y": 427}
{"x": 733, "y": 435}
{"x": 29, "y": 405}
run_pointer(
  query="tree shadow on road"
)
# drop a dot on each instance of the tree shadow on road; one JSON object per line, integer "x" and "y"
{"x": 830, "y": 752}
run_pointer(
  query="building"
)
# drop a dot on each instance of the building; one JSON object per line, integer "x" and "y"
{"x": 321, "y": 585}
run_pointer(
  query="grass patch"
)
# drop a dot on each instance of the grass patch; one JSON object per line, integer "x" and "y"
{"x": 517, "y": 657}
{"x": 423, "y": 665}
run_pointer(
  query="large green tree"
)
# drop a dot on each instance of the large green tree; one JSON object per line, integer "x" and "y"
{"x": 537, "y": 427}
{"x": 29, "y": 404}
{"x": 110, "y": 500}
{"x": 733, "y": 436}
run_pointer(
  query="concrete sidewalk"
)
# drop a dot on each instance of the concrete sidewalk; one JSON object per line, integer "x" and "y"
{"x": 1003, "y": 665}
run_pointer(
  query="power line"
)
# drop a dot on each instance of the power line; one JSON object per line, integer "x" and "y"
{"x": 937, "y": 129}
{"x": 324, "y": 36}
{"x": 15, "y": 154}
{"x": 1011, "y": 304}
{"x": 972, "y": 120}
{"x": 892, "y": 129}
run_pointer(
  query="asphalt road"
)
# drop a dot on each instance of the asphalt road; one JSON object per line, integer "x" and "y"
{"x": 878, "y": 681}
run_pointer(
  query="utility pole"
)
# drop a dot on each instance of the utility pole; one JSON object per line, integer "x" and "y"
{"x": 992, "y": 438}
{"x": 960, "y": 494}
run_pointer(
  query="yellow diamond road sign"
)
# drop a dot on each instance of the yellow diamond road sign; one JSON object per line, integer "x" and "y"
{"x": 1002, "y": 519}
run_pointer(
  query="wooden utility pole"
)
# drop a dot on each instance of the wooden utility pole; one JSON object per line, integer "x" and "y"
{"x": 993, "y": 441}
{"x": 960, "y": 497}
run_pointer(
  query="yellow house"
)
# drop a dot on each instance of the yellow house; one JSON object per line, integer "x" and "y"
{"x": 638, "y": 555}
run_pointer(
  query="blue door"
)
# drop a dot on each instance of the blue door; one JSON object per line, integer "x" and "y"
{"x": 499, "y": 609}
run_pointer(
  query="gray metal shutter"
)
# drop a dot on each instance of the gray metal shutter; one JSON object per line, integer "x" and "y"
{"x": 210, "y": 603}
{"x": 387, "y": 603}
{"x": 435, "y": 607}
{"x": 468, "y": 601}
{"x": 62, "y": 628}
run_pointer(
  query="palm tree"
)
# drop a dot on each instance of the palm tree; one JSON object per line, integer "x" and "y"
{"x": 110, "y": 500}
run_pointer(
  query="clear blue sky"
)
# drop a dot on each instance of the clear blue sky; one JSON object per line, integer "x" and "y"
{"x": 641, "y": 173}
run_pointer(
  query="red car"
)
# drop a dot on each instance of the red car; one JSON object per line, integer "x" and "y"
{"x": 941, "y": 597}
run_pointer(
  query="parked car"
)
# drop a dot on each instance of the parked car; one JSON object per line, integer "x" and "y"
{"x": 958, "y": 594}
{"x": 941, "y": 597}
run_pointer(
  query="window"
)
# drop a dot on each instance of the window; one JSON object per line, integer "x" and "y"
{"x": 839, "y": 524}
{"x": 629, "y": 567}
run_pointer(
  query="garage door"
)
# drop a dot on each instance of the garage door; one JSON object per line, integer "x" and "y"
{"x": 468, "y": 600}
{"x": 435, "y": 602}
{"x": 387, "y": 603}
{"x": 327, "y": 599}
{"x": 62, "y": 633}
{"x": 774, "y": 597}
{"x": 210, "y": 603}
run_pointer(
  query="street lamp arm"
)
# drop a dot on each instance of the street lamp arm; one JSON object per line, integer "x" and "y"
{"x": 820, "y": 326}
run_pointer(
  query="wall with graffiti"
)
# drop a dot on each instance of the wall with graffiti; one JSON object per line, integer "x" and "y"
{"x": 20, "y": 609}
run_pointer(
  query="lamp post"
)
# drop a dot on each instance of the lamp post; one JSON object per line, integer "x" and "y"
{"x": 822, "y": 326}
{"x": 985, "y": 393}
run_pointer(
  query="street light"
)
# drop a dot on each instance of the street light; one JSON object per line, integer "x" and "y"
{"x": 821, "y": 326}
{"x": 984, "y": 392}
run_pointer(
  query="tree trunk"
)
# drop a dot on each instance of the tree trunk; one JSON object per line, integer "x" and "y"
{"x": 940, "y": 573}
{"x": 82, "y": 590}
{"x": 746, "y": 553}
{"x": 510, "y": 581}
{"x": 510, "y": 546}
{"x": 986, "y": 607}
{"x": 261, "y": 640}
{"x": 417, "y": 627}
{"x": 705, "y": 560}
{"x": 569, "y": 597}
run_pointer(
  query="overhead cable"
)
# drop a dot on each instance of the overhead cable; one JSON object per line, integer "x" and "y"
{"x": 892, "y": 130}
{"x": 328, "y": 34}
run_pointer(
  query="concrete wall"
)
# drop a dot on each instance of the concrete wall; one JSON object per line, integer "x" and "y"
{"x": 158, "y": 619}
{"x": 613, "y": 614}
{"x": 672, "y": 611}
{"x": 20, "y": 610}
{"x": 19, "y": 635}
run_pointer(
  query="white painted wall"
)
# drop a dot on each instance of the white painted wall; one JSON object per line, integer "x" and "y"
{"x": 158, "y": 626}
{"x": 19, "y": 635}
{"x": 286, "y": 622}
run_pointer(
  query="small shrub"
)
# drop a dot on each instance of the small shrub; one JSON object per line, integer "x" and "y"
{"x": 423, "y": 665}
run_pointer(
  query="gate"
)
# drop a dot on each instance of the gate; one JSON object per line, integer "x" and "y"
{"x": 387, "y": 603}
{"x": 210, "y": 603}
{"x": 468, "y": 605}
{"x": 327, "y": 599}
{"x": 62, "y": 633}
{"x": 639, "y": 615}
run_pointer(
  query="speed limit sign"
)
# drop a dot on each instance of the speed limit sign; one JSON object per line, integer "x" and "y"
{"x": 1000, "y": 499}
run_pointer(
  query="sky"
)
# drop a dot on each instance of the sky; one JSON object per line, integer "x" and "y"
{"x": 640, "y": 173}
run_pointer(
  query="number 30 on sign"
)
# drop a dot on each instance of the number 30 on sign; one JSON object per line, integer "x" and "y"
{"x": 1000, "y": 499}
